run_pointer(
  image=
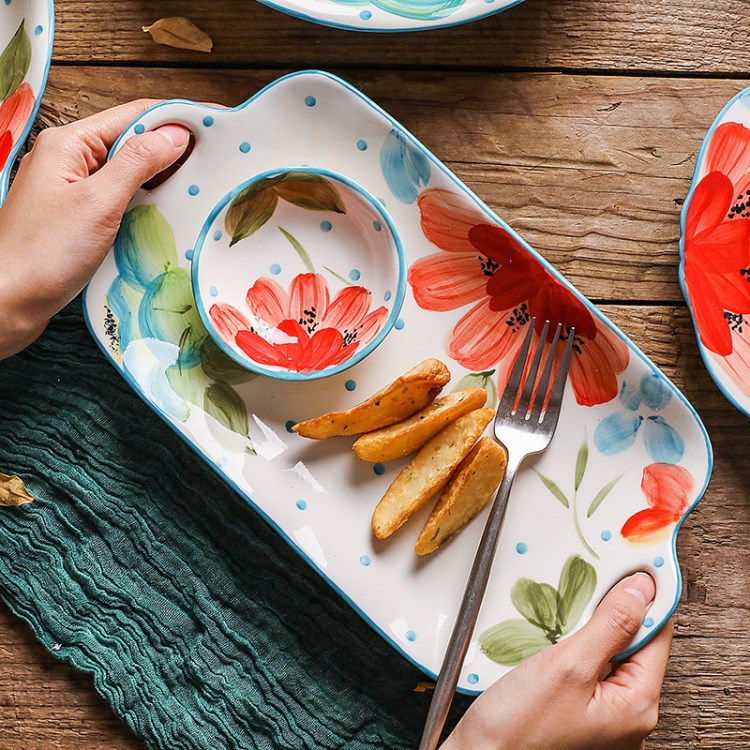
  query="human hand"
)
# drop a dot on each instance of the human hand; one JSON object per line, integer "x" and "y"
{"x": 64, "y": 209}
{"x": 569, "y": 696}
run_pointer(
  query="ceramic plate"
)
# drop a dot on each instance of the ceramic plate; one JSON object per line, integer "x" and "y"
{"x": 26, "y": 31}
{"x": 715, "y": 251}
{"x": 629, "y": 461}
{"x": 390, "y": 15}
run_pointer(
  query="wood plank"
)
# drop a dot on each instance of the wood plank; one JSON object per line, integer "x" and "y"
{"x": 45, "y": 704}
{"x": 591, "y": 170}
{"x": 676, "y": 35}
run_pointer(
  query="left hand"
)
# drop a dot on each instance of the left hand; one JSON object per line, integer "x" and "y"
{"x": 64, "y": 209}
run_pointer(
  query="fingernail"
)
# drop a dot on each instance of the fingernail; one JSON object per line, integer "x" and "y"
{"x": 177, "y": 135}
{"x": 642, "y": 586}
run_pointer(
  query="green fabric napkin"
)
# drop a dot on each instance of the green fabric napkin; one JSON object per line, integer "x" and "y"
{"x": 138, "y": 565}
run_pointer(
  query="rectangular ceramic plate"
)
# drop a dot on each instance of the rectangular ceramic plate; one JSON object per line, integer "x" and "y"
{"x": 629, "y": 461}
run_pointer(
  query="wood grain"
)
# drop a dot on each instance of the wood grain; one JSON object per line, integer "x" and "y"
{"x": 591, "y": 170}
{"x": 686, "y": 36}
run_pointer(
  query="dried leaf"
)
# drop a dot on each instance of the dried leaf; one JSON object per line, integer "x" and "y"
{"x": 423, "y": 687}
{"x": 181, "y": 32}
{"x": 13, "y": 491}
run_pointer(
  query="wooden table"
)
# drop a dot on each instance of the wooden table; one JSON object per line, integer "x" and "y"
{"x": 578, "y": 121}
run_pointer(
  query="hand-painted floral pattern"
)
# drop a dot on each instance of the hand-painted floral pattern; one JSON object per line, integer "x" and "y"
{"x": 617, "y": 432}
{"x": 484, "y": 266}
{"x": 716, "y": 252}
{"x": 17, "y": 97}
{"x": 667, "y": 489}
{"x": 404, "y": 167}
{"x": 425, "y": 10}
{"x": 304, "y": 329}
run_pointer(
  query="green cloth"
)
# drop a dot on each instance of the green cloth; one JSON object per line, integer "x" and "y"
{"x": 136, "y": 564}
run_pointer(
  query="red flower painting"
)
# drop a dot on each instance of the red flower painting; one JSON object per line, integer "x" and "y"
{"x": 484, "y": 266}
{"x": 667, "y": 488}
{"x": 14, "y": 114}
{"x": 303, "y": 329}
{"x": 717, "y": 251}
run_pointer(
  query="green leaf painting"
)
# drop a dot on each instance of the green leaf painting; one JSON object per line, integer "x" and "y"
{"x": 480, "y": 380}
{"x": 14, "y": 62}
{"x": 582, "y": 461}
{"x": 252, "y": 208}
{"x": 168, "y": 313}
{"x": 601, "y": 495}
{"x": 554, "y": 489}
{"x": 218, "y": 366}
{"x": 548, "y": 614}
{"x": 229, "y": 415}
{"x": 145, "y": 246}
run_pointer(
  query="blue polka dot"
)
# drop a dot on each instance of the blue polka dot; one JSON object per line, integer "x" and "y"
{"x": 326, "y": 226}
{"x": 189, "y": 253}
{"x": 648, "y": 622}
{"x": 208, "y": 121}
{"x": 472, "y": 679}
{"x": 213, "y": 291}
{"x": 399, "y": 325}
{"x": 139, "y": 128}
{"x": 355, "y": 275}
{"x": 301, "y": 504}
{"x": 377, "y": 225}
{"x": 289, "y": 425}
{"x": 245, "y": 147}
{"x": 275, "y": 269}
{"x": 39, "y": 30}
{"x": 659, "y": 562}
{"x": 365, "y": 561}
{"x": 606, "y": 535}
{"x": 217, "y": 235}
{"x": 387, "y": 296}
{"x": 411, "y": 636}
{"x": 379, "y": 469}
{"x": 194, "y": 190}
{"x": 310, "y": 101}
{"x": 362, "y": 145}
{"x": 522, "y": 548}
{"x": 365, "y": 15}
{"x": 350, "y": 385}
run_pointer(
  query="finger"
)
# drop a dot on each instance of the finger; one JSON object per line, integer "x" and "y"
{"x": 110, "y": 123}
{"x": 646, "y": 668}
{"x": 140, "y": 159}
{"x": 614, "y": 624}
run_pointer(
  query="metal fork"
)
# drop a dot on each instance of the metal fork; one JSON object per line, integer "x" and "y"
{"x": 525, "y": 423}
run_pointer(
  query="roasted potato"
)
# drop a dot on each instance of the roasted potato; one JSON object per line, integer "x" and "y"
{"x": 404, "y": 438}
{"x": 428, "y": 472}
{"x": 470, "y": 489}
{"x": 407, "y": 395}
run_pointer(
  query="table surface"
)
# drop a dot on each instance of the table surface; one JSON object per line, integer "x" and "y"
{"x": 579, "y": 122}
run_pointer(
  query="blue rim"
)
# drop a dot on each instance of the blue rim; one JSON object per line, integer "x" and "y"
{"x": 545, "y": 264}
{"x": 716, "y": 375}
{"x": 383, "y": 29}
{"x": 5, "y": 180}
{"x": 359, "y": 355}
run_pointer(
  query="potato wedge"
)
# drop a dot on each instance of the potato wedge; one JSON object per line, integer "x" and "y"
{"x": 470, "y": 489}
{"x": 428, "y": 472}
{"x": 398, "y": 401}
{"x": 404, "y": 438}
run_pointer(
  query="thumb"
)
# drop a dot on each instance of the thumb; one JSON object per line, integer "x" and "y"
{"x": 140, "y": 159}
{"x": 615, "y": 622}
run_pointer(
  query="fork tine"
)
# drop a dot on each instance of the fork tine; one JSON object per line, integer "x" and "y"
{"x": 541, "y": 391}
{"x": 508, "y": 400}
{"x": 525, "y": 402}
{"x": 555, "y": 399}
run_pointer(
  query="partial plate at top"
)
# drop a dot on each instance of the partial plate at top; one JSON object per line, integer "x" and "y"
{"x": 26, "y": 33}
{"x": 715, "y": 251}
{"x": 630, "y": 458}
{"x": 390, "y": 15}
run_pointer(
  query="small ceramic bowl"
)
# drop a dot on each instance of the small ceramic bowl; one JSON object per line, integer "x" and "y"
{"x": 299, "y": 273}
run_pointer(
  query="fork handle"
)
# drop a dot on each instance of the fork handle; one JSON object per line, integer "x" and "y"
{"x": 469, "y": 611}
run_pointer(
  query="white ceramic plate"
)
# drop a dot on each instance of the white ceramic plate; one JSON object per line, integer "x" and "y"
{"x": 390, "y": 15}
{"x": 628, "y": 463}
{"x": 26, "y": 33}
{"x": 715, "y": 251}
